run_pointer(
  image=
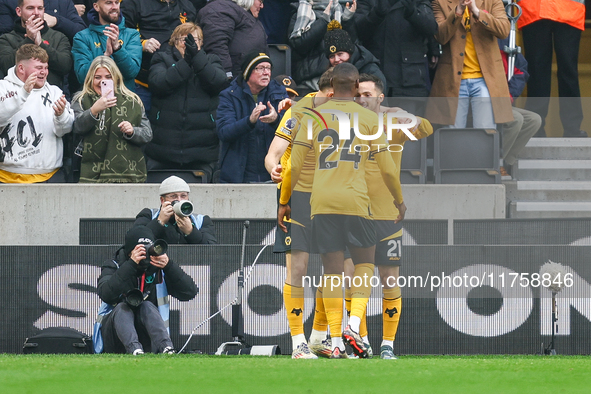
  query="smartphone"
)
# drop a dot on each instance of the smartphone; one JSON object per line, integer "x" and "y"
{"x": 107, "y": 88}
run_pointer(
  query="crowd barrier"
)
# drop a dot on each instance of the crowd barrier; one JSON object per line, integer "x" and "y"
{"x": 416, "y": 232}
{"x": 49, "y": 214}
{"x": 260, "y": 231}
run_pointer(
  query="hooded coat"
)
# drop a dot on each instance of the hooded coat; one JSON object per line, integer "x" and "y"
{"x": 30, "y": 133}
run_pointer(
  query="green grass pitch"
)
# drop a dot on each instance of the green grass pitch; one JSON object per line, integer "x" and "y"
{"x": 61, "y": 374}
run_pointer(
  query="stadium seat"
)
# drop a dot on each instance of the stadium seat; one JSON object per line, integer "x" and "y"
{"x": 280, "y": 55}
{"x": 414, "y": 162}
{"x": 466, "y": 156}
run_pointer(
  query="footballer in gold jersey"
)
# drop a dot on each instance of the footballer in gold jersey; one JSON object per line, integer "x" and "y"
{"x": 342, "y": 140}
{"x": 389, "y": 233}
{"x": 293, "y": 238}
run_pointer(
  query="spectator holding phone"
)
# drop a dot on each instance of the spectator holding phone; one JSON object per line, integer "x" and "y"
{"x": 113, "y": 123}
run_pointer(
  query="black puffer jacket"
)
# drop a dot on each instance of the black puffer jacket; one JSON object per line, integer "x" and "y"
{"x": 230, "y": 32}
{"x": 184, "y": 103}
{"x": 309, "y": 59}
{"x": 155, "y": 19}
{"x": 403, "y": 60}
{"x": 367, "y": 63}
{"x": 122, "y": 274}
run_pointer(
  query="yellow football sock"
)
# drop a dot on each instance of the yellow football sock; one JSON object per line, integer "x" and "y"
{"x": 363, "y": 325}
{"x": 333, "y": 305}
{"x": 361, "y": 288}
{"x": 391, "y": 308}
{"x": 293, "y": 297}
{"x": 320, "y": 322}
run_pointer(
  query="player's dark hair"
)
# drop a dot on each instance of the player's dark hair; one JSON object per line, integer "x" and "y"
{"x": 344, "y": 78}
{"x": 372, "y": 78}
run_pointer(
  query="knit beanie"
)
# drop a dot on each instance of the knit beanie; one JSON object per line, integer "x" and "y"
{"x": 173, "y": 184}
{"x": 337, "y": 40}
{"x": 251, "y": 60}
{"x": 137, "y": 235}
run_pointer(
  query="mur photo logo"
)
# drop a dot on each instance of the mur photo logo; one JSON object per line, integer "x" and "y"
{"x": 348, "y": 128}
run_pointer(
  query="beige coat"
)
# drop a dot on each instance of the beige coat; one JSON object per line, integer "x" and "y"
{"x": 451, "y": 35}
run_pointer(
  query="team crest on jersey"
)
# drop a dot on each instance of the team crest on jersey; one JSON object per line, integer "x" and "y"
{"x": 288, "y": 240}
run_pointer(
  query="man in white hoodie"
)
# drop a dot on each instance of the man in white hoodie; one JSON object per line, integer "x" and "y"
{"x": 34, "y": 116}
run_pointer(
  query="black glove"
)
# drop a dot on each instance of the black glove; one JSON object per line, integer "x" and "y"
{"x": 409, "y": 7}
{"x": 190, "y": 48}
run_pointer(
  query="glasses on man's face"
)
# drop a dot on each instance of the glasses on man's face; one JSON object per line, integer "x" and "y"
{"x": 262, "y": 69}
{"x": 176, "y": 196}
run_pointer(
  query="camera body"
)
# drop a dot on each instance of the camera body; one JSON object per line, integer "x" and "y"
{"x": 156, "y": 248}
{"x": 182, "y": 208}
{"x": 135, "y": 297}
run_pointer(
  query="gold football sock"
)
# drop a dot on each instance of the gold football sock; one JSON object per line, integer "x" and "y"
{"x": 391, "y": 308}
{"x": 293, "y": 297}
{"x": 333, "y": 305}
{"x": 363, "y": 325}
{"x": 348, "y": 301}
{"x": 361, "y": 288}
{"x": 320, "y": 322}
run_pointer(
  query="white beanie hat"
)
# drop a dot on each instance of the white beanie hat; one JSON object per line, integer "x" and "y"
{"x": 173, "y": 184}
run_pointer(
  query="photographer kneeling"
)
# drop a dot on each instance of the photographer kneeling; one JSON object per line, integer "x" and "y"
{"x": 134, "y": 288}
{"x": 174, "y": 221}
